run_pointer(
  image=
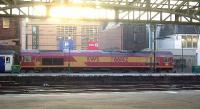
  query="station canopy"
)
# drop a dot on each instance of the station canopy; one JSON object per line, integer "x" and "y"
{"x": 132, "y": 11}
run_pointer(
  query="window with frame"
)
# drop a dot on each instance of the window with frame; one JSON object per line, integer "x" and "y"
{"x": 66, "y": 31}
{"x": 7, "y": 59}
{"x": 27, "y": 59}
{"x": 35, "y": 37}
{"x": 91, "y": 33}
{"x": 189, "y": 41}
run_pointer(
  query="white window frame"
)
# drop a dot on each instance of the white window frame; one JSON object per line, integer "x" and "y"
{"x": 8, "y": 61}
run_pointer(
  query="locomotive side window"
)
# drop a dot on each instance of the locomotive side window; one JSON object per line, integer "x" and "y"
{"x": 7, "y": 59}
{"x": 27, "y": 59}
{"x": 52, "y": 61}
{"x": 58, "y": 61}
{"x": 46, "y": 61}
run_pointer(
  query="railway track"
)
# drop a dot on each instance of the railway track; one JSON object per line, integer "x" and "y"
{"x": 87, "y": 82}
{"x": 45, "y": 88}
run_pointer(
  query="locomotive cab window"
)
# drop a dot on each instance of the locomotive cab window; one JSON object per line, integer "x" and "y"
{"x": 166, "y": 59}
{"x": 27, "y": 59}
{"x": 7, "y": 59}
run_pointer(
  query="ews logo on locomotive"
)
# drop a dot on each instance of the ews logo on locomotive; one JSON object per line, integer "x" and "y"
{"x": 92, "y": 59}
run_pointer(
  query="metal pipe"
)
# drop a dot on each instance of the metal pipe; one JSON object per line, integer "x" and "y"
{"x": 26, "y": 38}
{"x": 69, "y": 46}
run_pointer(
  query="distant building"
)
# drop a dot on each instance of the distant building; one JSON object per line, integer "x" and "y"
{"x": 124, "y": 37}
{"x": 183, "y": 41}
{"x": 53, "y": 34}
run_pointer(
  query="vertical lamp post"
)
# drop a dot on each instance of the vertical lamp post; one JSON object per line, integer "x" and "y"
{"x": 69, "y": 47}
{"x": 26, "y": 29}
{"x": 154, "y": 58}
{"x": 154, "y": 50}
{"x": 154, "y": 47}
{"x": 182, "y": 41}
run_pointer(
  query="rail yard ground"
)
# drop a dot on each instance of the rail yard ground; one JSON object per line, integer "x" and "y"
{"x": 182, "y": 99}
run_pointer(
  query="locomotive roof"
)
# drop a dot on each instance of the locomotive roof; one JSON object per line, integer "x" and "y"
{"x": 100, "y": 51}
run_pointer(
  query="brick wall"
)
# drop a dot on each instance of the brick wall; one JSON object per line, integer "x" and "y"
{"x": 10, "y": 34}
{"x": 12, "y": 31}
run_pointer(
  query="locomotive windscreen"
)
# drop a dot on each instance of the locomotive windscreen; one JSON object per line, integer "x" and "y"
{"x": 52, "y": 61}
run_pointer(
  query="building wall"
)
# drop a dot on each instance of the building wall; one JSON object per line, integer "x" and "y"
{"x": 10, "y": 30}
{"x": 168, "y": 43}
{"x": 170, "y": 29}
{"x": 9, "y": 34}
{"x": 134, "y": 37}
{"x": 47, "y": 37}
{"x": 111, "y": 39}
{"x": 51, "y": 31}
{"x": 124, "y": 37}
{"x": 23, "y": 34}
{"x": 175, "y": 41}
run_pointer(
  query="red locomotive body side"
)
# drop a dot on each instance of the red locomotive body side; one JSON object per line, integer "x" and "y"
{"x": 97, "y": 59}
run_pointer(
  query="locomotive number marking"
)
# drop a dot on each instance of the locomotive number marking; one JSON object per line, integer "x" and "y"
{"x": 92, "y": 59}
{"x": 120, "y": 59}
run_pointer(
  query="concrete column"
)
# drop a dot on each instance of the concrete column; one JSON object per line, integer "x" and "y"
{"x": 150, "y": 36}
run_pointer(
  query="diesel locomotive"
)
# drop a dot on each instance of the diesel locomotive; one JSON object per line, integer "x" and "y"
{"x": 96, "y": 60}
